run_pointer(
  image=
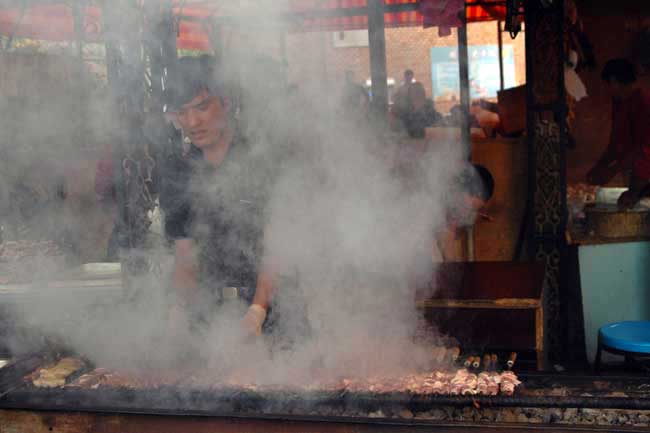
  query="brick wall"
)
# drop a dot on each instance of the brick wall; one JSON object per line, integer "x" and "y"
{"x": 312, "y": 55}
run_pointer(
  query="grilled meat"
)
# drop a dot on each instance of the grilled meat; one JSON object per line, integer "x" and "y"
{"x": 508, "y": 383}
{"x": 56, "y": 376}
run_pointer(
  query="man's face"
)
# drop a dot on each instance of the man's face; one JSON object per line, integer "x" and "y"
{"x": 204, "y": 119}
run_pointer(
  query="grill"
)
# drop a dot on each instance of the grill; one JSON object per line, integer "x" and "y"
{"x": 540, "y": 393}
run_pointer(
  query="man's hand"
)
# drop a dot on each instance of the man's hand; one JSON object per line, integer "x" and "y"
{"x": 254, "y": 319}
{"x": 628, "y": 199}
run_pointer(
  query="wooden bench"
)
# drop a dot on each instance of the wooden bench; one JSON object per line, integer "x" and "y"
{"x": 497, "y": 286}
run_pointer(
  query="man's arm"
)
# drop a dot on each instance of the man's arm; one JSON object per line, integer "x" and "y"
{"x": 266, "y": 282}
{"x": 185, "y": 276}
{"x": 446, "y": 241}
{"x": 264, "y": 289}
{"x": 640, "y": 180}
{"x": 256, "y": 314}
{"x": 607, "y": 166}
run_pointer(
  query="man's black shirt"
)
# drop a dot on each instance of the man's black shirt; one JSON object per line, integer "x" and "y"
{"x": 221, "y": 209}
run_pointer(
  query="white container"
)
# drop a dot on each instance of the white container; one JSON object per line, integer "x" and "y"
{"x": 609, "y": 195}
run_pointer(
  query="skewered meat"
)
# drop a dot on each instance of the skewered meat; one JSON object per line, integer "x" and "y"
{"x": 101, "y": 377}
{"x": 462, "y": 382}
{"x": 508, "y": 383}
{"x": 488, "y": 383}
{"x": 459, "y": 382}
{"x": 57, "y": 375}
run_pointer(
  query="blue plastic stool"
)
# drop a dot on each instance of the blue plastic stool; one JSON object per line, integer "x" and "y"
{"x": 624, "y": 338}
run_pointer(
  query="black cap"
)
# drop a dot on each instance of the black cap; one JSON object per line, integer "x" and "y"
{"x": 189, "y": 77}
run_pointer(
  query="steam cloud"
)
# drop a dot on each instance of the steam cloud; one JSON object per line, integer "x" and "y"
{"x": 350, "y": 234}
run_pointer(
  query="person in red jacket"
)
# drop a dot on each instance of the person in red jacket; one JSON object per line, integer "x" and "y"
{"x": 628, "y": 151}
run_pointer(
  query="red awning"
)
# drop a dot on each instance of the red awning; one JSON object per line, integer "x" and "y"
{"x": 482, "y": 10}
{"x": 55, "y": 22}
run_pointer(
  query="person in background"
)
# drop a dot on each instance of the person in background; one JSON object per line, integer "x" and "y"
{"x": 401, "y": 103}
{"x": 628, "y": 151}
{"x": 421, "y": 112}
{"x": 476, "y": 188}
{"x": 401, "y": 95}
{"x": 355, "y": 97}
{"x": 213, "y": 200}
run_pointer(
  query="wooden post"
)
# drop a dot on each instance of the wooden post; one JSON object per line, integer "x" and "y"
{"x": 463, "y": 68}
{"x": 540, "y": 347}
{"x": 546, "y": 123}
{"x": 324, "y": 40}
{"x": 377, "y": 45}
{"x": 160, "y": 46}
{"x": 79, "y": 30}
{"x": 123, "y": 23}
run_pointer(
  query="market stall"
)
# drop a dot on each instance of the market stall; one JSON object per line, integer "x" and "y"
{"x": 469, "y": 382}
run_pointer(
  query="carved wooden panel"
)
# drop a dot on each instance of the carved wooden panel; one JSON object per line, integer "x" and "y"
{"x": 547, "y": 134}
{"x": 548, "y": 48}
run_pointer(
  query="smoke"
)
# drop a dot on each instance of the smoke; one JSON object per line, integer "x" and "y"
{"x": 357, "y": 235}
{"x": 349, "y": 228}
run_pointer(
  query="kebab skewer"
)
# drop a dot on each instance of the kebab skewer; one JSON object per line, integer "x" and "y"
{"x": 511, "y": 360}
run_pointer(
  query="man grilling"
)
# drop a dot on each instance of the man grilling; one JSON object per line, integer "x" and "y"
{"x": 628, "y": 151}
{"x": 213, "y": 199}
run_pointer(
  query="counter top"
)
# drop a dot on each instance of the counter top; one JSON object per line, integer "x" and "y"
{"x": 82, "y": 278}
{"x": 576, "y": 236}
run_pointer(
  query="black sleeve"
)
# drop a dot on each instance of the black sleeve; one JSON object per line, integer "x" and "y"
{"x": 175, "y": 198}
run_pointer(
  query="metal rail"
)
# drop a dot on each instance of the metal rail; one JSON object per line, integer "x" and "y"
{"x": 15, "y": 393}
{"x": 29, "y": 422}
{"x": 176, "y": 401}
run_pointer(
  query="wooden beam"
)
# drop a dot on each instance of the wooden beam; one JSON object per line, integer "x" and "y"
{"x": 490, "y": 304}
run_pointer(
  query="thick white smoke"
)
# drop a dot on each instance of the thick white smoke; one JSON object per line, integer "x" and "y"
{"x": 350, "y": 228}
